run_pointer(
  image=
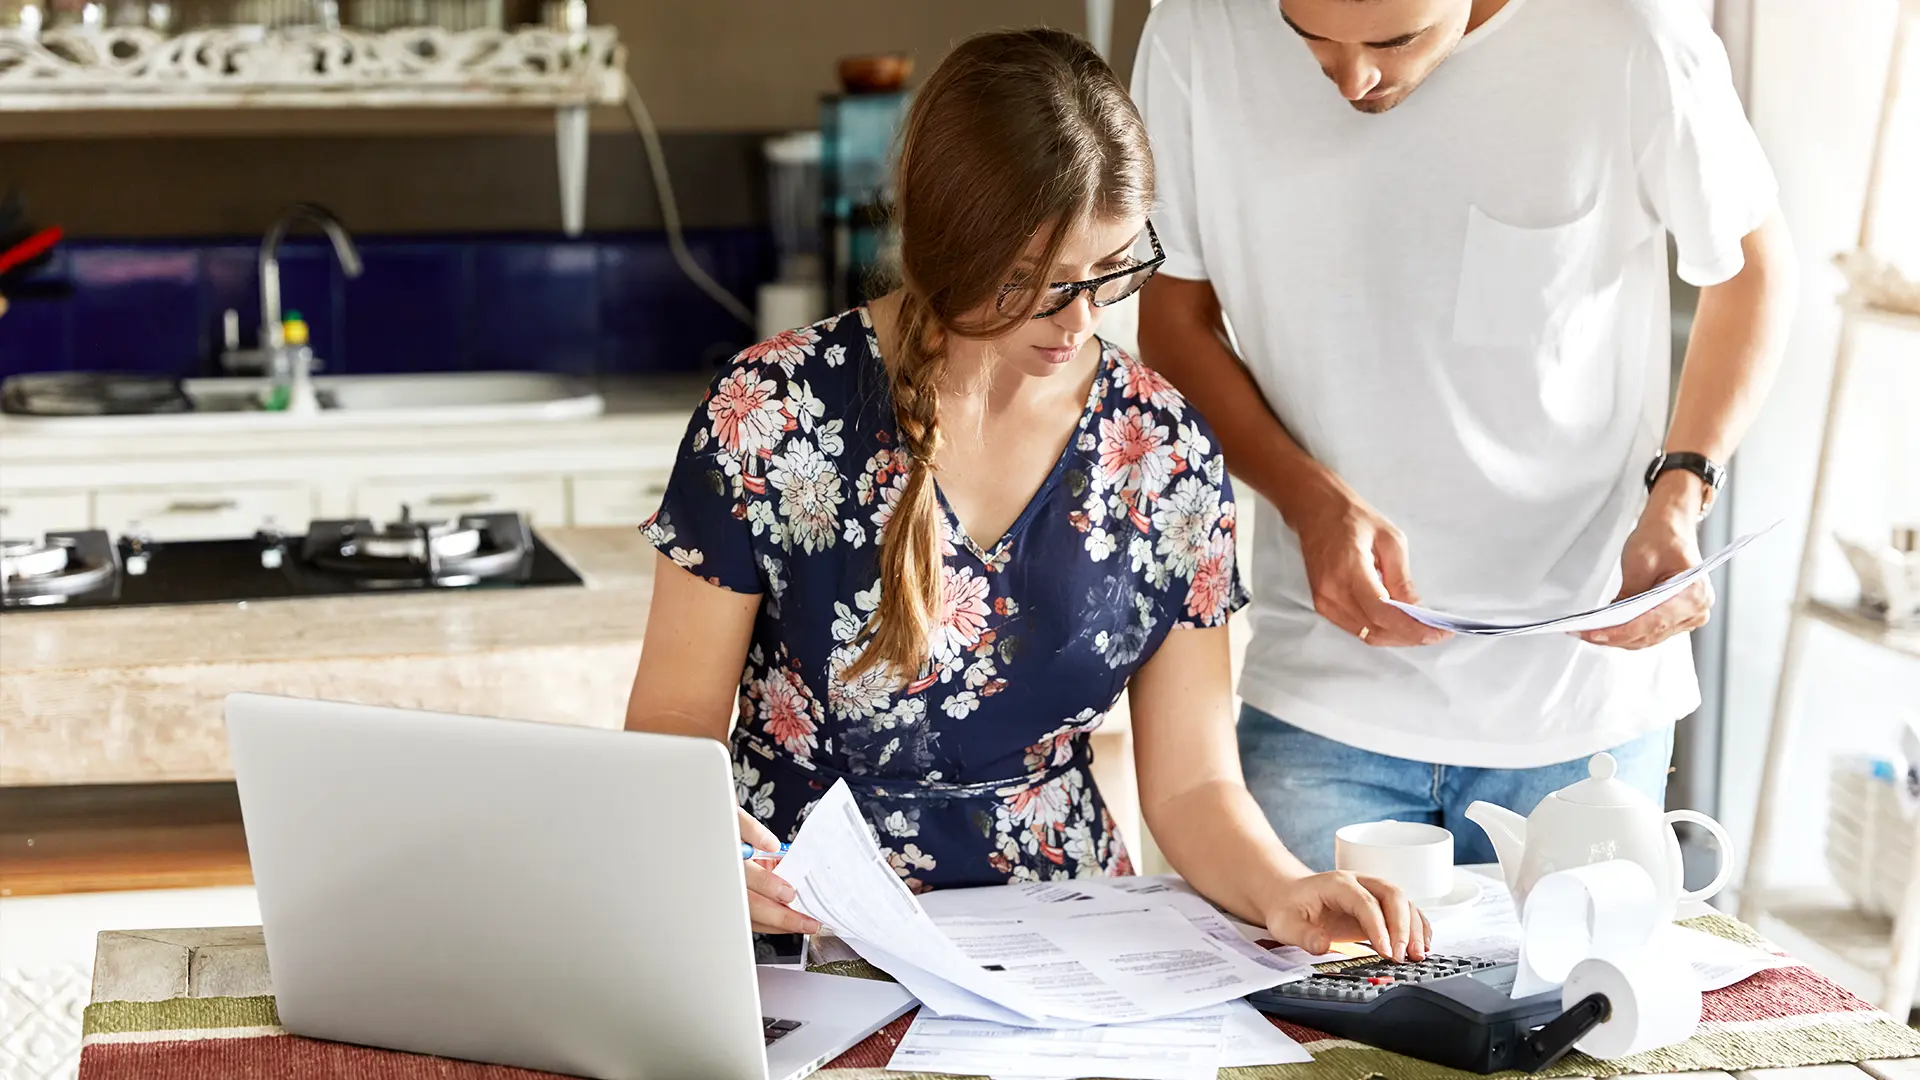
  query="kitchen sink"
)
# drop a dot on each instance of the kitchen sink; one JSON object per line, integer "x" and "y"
{"x": 347, "y": 401}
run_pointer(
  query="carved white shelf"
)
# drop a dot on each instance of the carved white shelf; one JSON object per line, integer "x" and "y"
{"x": 122, "y": 69}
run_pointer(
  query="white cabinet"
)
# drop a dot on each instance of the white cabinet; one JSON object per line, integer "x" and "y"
{"x": 203, "y": 512}
{"x": 542, "y": 498}
{"x": 27, "y": 514}
{"x": 627, "y": 498}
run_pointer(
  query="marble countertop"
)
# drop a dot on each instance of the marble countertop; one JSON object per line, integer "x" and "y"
{"x": 616, "y": 562}
{"x": 134, "y": 695}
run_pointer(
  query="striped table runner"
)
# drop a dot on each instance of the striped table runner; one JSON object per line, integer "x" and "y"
{"x": 1783, "y": 1017}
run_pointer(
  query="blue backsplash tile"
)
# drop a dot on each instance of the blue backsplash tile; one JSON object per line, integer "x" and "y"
{"x": 36, "y": 333}
{"x": 408, "y": 310}
{"x": 537, "y": 305}
{"x": 135, "y": 309}
{"x": 598, "y": 305}
{"x": 655, "y": 319}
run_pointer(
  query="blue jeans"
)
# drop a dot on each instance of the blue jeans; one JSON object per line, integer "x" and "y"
{"x": 1310, "y": 786}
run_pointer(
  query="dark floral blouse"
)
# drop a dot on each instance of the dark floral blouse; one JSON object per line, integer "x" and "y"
{"x": 976, "y": 771}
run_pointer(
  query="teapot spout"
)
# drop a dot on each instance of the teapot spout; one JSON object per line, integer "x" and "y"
{"x": 1507, "y": 830}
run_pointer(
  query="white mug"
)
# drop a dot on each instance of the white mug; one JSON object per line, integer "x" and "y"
{"x": 1416, "y": 857}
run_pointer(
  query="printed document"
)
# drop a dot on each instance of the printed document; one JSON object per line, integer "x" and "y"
{"x": 1231, "y": 1036}
{"x": 1716, "y": 962}
{"x": 1620, "y": 612}
{"x": 1488, "y": 928}
{"x": 1173, "y": 1048}
{"x": 1045, "y": 955}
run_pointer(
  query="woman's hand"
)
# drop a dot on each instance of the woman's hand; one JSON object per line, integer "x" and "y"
{"x": 767, "y": 895}
{"x": 1314, "y": 912}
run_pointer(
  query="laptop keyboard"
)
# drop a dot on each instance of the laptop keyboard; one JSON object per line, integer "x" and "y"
{"x": 778, "y": 1029}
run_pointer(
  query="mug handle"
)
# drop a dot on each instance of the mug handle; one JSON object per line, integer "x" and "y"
{"x": 1720, "y": 840}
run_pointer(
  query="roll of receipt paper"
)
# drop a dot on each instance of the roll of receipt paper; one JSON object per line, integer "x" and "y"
{"x": 1586, "y": 931}
{"x": 1652, "y": 1001}
{"x": 1600, "y": 909}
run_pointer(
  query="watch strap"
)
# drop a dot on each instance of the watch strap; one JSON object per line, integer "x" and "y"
{"x": 1711, "y": 473}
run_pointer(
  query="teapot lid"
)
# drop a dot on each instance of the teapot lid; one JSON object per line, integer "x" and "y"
{"x": 1601, "y": 788}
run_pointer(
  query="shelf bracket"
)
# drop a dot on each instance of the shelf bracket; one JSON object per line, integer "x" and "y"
{"x": 570, "y": 138}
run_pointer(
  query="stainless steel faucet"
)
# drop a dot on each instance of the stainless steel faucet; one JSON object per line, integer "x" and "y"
{"x": 294, "y": 365}
{"x": 272, "y": 334}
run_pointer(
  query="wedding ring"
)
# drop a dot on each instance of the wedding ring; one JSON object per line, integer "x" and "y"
{"x": 1364, "y": 631}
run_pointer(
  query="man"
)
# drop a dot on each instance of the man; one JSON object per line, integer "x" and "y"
{"x": 1445, "y": 270}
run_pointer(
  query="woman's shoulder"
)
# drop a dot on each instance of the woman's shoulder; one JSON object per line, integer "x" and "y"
{"x": 1136, "y": 389}
{"x": 791, "y": 383}
{"x": 820, "y": 354}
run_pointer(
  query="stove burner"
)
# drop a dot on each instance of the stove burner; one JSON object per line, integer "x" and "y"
{"x": 49, "y": 571}
{"x": 474, "y": 548}
{"x": 73, "y": 569}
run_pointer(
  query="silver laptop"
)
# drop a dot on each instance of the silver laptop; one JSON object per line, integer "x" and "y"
{"x": 538, "y": 895}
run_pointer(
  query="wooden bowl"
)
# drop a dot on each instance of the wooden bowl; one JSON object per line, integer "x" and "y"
{"x": 880, "y": 74}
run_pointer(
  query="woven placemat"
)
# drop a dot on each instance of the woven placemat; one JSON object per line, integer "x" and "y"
{"x": 1776, "y": 1019}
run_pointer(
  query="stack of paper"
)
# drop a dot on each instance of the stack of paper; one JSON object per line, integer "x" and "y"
{"x": 1618, "y": 613}
{"x": 1193, "y": 1046}
{"x": 1117, "y": 977}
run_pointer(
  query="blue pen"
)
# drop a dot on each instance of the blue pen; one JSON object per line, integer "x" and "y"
{"x": 747, "y": 851}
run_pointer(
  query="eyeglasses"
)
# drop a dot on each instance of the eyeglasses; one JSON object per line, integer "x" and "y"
{"x": 1104, "y": 291}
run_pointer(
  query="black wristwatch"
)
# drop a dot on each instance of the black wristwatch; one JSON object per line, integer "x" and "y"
{"x": 1710, "y": 473}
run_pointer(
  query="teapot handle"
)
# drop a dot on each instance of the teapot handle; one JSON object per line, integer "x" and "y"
{"x": 1720, "y": 840}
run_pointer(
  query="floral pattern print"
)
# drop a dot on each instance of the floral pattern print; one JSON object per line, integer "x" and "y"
{"x": 977, "y": 769}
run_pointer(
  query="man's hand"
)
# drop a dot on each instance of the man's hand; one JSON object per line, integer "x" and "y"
{"x": 1663, "y": 544}
{"x": 1354, "y": 557}
{"x": 1314, "y": 912}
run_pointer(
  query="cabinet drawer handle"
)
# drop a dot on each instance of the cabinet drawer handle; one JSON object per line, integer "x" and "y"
{"x": 201, "y": 506}
{"x": 472, "y": 498}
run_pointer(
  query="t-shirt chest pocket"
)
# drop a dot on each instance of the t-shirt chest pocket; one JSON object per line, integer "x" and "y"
{"x": 1519, "y": 286}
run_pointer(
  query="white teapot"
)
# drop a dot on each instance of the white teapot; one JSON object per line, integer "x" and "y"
{"x": 1597, "y": 819}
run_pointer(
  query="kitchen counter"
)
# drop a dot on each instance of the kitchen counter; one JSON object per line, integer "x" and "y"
{"x": 132, "y": 695}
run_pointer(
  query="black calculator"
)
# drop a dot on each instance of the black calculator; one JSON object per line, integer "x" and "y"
{"x": 1452, "y": 1011}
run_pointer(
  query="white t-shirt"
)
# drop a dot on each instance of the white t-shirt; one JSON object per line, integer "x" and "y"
{"x": 1460, "y": 306}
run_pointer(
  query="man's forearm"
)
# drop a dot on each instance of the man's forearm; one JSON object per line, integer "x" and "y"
{"x": 1183, "y": 337}
{"x": 1739, "y": 333}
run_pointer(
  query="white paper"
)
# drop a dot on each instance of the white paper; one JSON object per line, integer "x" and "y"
{"x": 1173, "y": 1048}
{"x": 1241, "y": 937}
{"x": 1247, "y": 1040}
{"x": 836, "y": 868}
{"x": 1717, "y": 963}
{"x": 1250, "y": 1039}
{"x": 1486, "y": 929}
{"x": 1220, "y": 925}
{"x": 1048, "y": 955}
{"x": 944, "y": 998}
{"x": 1109, "y": 965}
{"x": 1602, "y": 909}
{"x": 1618, "y": 613}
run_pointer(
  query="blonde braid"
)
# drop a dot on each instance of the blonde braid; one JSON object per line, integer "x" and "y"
{"x": 911, "y": 565}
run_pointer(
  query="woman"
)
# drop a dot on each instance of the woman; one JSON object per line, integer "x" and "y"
{"x": 930, "y": 541}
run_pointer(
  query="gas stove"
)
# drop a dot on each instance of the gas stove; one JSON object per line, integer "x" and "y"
{"x": 87, "y": 569}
